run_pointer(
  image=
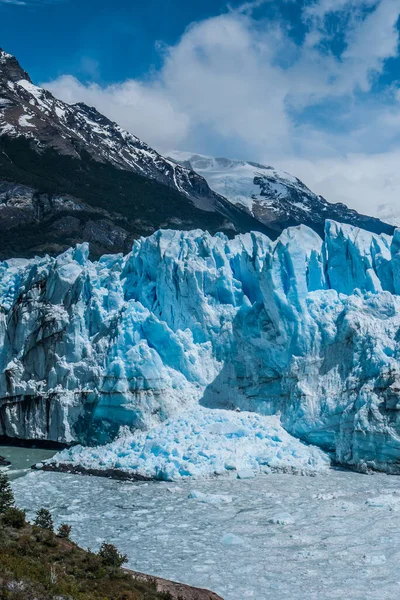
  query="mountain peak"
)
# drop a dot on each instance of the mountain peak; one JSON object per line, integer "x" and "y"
{"x": 10, "y": 68}
{"x": 273, "y": 197}
{"x": 53, "y": 147}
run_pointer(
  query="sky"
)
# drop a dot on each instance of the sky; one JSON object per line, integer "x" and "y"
{"x": 310, "y": 86}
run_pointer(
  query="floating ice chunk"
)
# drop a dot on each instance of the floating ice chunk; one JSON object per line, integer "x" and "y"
{"x": 282, "y": 519}
{"x": 231, "y": 539}
{"x": 373, "y": 559}
{"x": 175, "y": 489}
{"x": 329, "y": 496}
{"x": 245, "y": 474}
{"x": 384, "y": 501}
{"x": 210, "y": 498}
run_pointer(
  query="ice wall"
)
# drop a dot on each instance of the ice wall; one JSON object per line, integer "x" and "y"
{"x": 302, "y": 328}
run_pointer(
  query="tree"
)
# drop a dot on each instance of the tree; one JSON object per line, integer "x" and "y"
{"x": 14, "y": 517}
{"x": 111, "y": 556}
{"x": 64, "y": 531}
{"x": 6, "y": 493}
{"x": 44, "y": 519}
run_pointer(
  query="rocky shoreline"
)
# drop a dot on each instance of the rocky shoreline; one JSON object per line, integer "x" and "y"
{"x": 176, "y": 591}
{"x": 78, "y": 470}
{"x": 4, "y": 462}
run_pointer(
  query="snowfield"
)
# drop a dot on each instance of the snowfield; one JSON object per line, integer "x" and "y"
{"x": 276, "y": 537}
{"x": 242, "y": 181}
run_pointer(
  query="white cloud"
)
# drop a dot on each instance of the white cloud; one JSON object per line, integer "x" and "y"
{"x": 237, "y": 86}
{"x": 368, "y": 183}
{"x": 143, "y": 109}
{"x": 318, "y": 10}
{"x": 374, "y": 40}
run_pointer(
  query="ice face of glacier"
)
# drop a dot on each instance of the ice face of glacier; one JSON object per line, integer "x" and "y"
{"x": 302, "y": 328}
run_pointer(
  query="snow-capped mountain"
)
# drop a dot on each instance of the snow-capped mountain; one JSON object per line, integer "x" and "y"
{"x": 389, "y": 213}
{"x": 34, "y": 113}
{"x": 110, "y": 187}
{"x": 275, "y": 198}
{"x": 68, "y": 174}
{"x": 302, "y": 327}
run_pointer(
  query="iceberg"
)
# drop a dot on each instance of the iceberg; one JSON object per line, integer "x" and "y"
{"x": 304, "y": 330}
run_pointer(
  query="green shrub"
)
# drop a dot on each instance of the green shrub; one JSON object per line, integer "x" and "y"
{"x": 14, "y": 517}
{"x": 6, "y": 493}
{"x": 111, "y": 556}
{"x": 44, "y": 519}
{"x": 64, "y": 531}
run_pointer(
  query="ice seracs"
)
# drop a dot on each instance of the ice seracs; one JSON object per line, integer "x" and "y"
{"x": 301, "y": 328}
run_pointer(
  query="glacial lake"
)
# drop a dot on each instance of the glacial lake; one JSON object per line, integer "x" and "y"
{"x": 275, "y": 537}
{"x": 23, "y": 458}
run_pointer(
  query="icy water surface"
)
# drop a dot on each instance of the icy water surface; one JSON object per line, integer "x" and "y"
{"x": 23, "y": 458}
{"x": 280, "y": 537}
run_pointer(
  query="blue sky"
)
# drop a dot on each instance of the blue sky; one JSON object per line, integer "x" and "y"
{"x": 111, "y": 41}
{"x": 119, "y": 36}
{"x": 308, "y": 85}
{"x": 107, "y": 41}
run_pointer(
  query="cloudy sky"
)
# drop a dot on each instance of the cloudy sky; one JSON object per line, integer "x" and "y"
{"x": 312, "y": 86}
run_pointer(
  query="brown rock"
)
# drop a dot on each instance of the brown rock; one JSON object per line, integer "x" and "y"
{"x": 178, "y": 591}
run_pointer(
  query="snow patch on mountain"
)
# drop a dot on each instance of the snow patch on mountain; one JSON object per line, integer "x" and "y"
{"x": 273, "y": 197}
{"x": 390, "y": 213}
{"x": 242, "y": 182}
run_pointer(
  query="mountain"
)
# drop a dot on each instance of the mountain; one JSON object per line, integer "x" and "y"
{"x": 390, "y": 213}
{"x": 69, "y": 174}
{"x": 48, "y": 123}
{"x": 273, "y": 197}
{"x": 299, "y": 336}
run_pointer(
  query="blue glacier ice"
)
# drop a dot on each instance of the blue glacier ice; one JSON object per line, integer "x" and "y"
{"x": 200, "y": 443}
{"x": 302, "y": 329}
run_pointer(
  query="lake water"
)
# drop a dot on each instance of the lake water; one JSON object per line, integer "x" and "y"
{"x": 23, "y": 458}
{"x": 276, "y": 537}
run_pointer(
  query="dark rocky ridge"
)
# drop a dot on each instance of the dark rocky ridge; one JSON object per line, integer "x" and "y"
{"x": 69, "y": 174}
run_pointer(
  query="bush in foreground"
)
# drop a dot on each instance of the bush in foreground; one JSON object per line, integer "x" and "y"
{"x": 46, "y": 567}
{"x": 6, "y": 494}
{"x": 14, "y": 517}
{"x": 64, "y": 531}
{"x": 111, "y": 556}
{"x": 44, "y": 519}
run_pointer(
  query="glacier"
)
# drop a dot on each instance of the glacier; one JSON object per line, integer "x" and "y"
{"x": 303, "y": 332}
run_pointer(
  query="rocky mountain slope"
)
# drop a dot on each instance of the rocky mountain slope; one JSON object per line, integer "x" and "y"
{"x": 29, "y": 554}
{"x": 34, "y": 113}
{"x": 275, "y": 198}
{"x": 69, "y": 174}
{"x": 302, "y": 327}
